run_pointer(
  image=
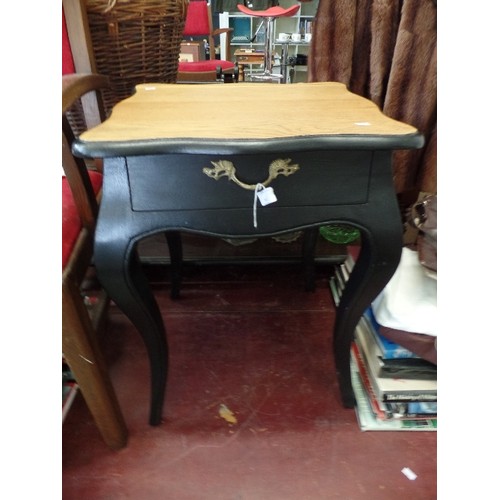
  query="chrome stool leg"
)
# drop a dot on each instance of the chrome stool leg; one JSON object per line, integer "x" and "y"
{"x": 268, "y": 74}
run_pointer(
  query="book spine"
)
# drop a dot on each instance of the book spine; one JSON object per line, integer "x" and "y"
{"x": 408, "y": 372}
{"x": 379, "y": 410}
{"x": 358, "y": 336}
{"x": 335, "y": 292}
{"x": 349, "y": 263}
{"x": 339, "y": 280}
{"x": 413, "y": 411}
{"x": 409, "y": 397}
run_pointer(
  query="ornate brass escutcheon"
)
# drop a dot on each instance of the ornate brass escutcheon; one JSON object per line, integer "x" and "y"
{"x": 226, "y": 168}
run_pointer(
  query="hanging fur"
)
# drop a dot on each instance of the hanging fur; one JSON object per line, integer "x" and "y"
{"x": 385, "y": 50}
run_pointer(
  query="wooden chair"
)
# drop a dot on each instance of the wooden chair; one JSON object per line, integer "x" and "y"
{"x": 199, "y": 26}
{"x": 80, "y": 325}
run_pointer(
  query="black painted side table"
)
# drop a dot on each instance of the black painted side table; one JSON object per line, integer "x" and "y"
{"x": 175, "y": 161}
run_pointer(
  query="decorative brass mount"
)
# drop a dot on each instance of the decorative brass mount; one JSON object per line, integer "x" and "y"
{"x": 225, "y": 167}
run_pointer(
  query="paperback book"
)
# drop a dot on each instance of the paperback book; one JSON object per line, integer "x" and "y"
{"x": 415, "y": 368}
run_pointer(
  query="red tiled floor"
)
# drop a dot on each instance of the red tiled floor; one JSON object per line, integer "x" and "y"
{"x": 249, "y": 338}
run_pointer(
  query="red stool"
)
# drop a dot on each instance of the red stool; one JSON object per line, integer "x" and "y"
{"x": 268, "y": 16}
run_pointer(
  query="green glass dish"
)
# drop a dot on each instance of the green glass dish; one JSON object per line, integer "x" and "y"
{"x": 339, "y": 233}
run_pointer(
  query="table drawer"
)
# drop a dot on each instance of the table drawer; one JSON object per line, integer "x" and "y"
{"x": 323, "y": 178}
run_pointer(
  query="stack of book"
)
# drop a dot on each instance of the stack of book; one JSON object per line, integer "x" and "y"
{"x": 395, "y": 389}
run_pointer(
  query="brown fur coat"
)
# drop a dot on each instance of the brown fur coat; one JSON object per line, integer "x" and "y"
{"x": 385, "y": 50}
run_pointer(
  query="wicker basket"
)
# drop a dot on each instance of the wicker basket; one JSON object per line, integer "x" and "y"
{"x": 76, "y": 118}
{"x": 135, "y": 41}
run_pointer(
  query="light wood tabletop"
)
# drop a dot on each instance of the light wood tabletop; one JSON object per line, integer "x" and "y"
{"x": 246, "y": 111}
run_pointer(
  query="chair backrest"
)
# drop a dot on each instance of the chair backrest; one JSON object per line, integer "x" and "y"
{"x": 198, "y": 19}
{"x": 199, "y": 23}
{"x": 74, "y": 86}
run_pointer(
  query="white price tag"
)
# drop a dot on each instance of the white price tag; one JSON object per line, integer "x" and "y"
{"x": 266, "y": 196}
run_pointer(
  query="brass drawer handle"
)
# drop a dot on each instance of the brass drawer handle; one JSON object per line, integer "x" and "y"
{"x": 226, "y": 168}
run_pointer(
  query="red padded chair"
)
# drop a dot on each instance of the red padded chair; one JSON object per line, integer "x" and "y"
{"x": 199, "y": 24}
{"x": 80, "y": 324}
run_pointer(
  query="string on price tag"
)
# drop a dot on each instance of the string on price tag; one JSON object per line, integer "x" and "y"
{"x": 265, "y": 195}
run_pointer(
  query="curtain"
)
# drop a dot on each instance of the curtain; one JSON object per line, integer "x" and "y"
{"x": 385, "y": 50}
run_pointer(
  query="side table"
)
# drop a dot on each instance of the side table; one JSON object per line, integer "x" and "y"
{"x": 171, "y": 164}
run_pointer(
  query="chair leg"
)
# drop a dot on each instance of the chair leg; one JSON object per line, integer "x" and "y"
{"x": 84, "y": 357}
